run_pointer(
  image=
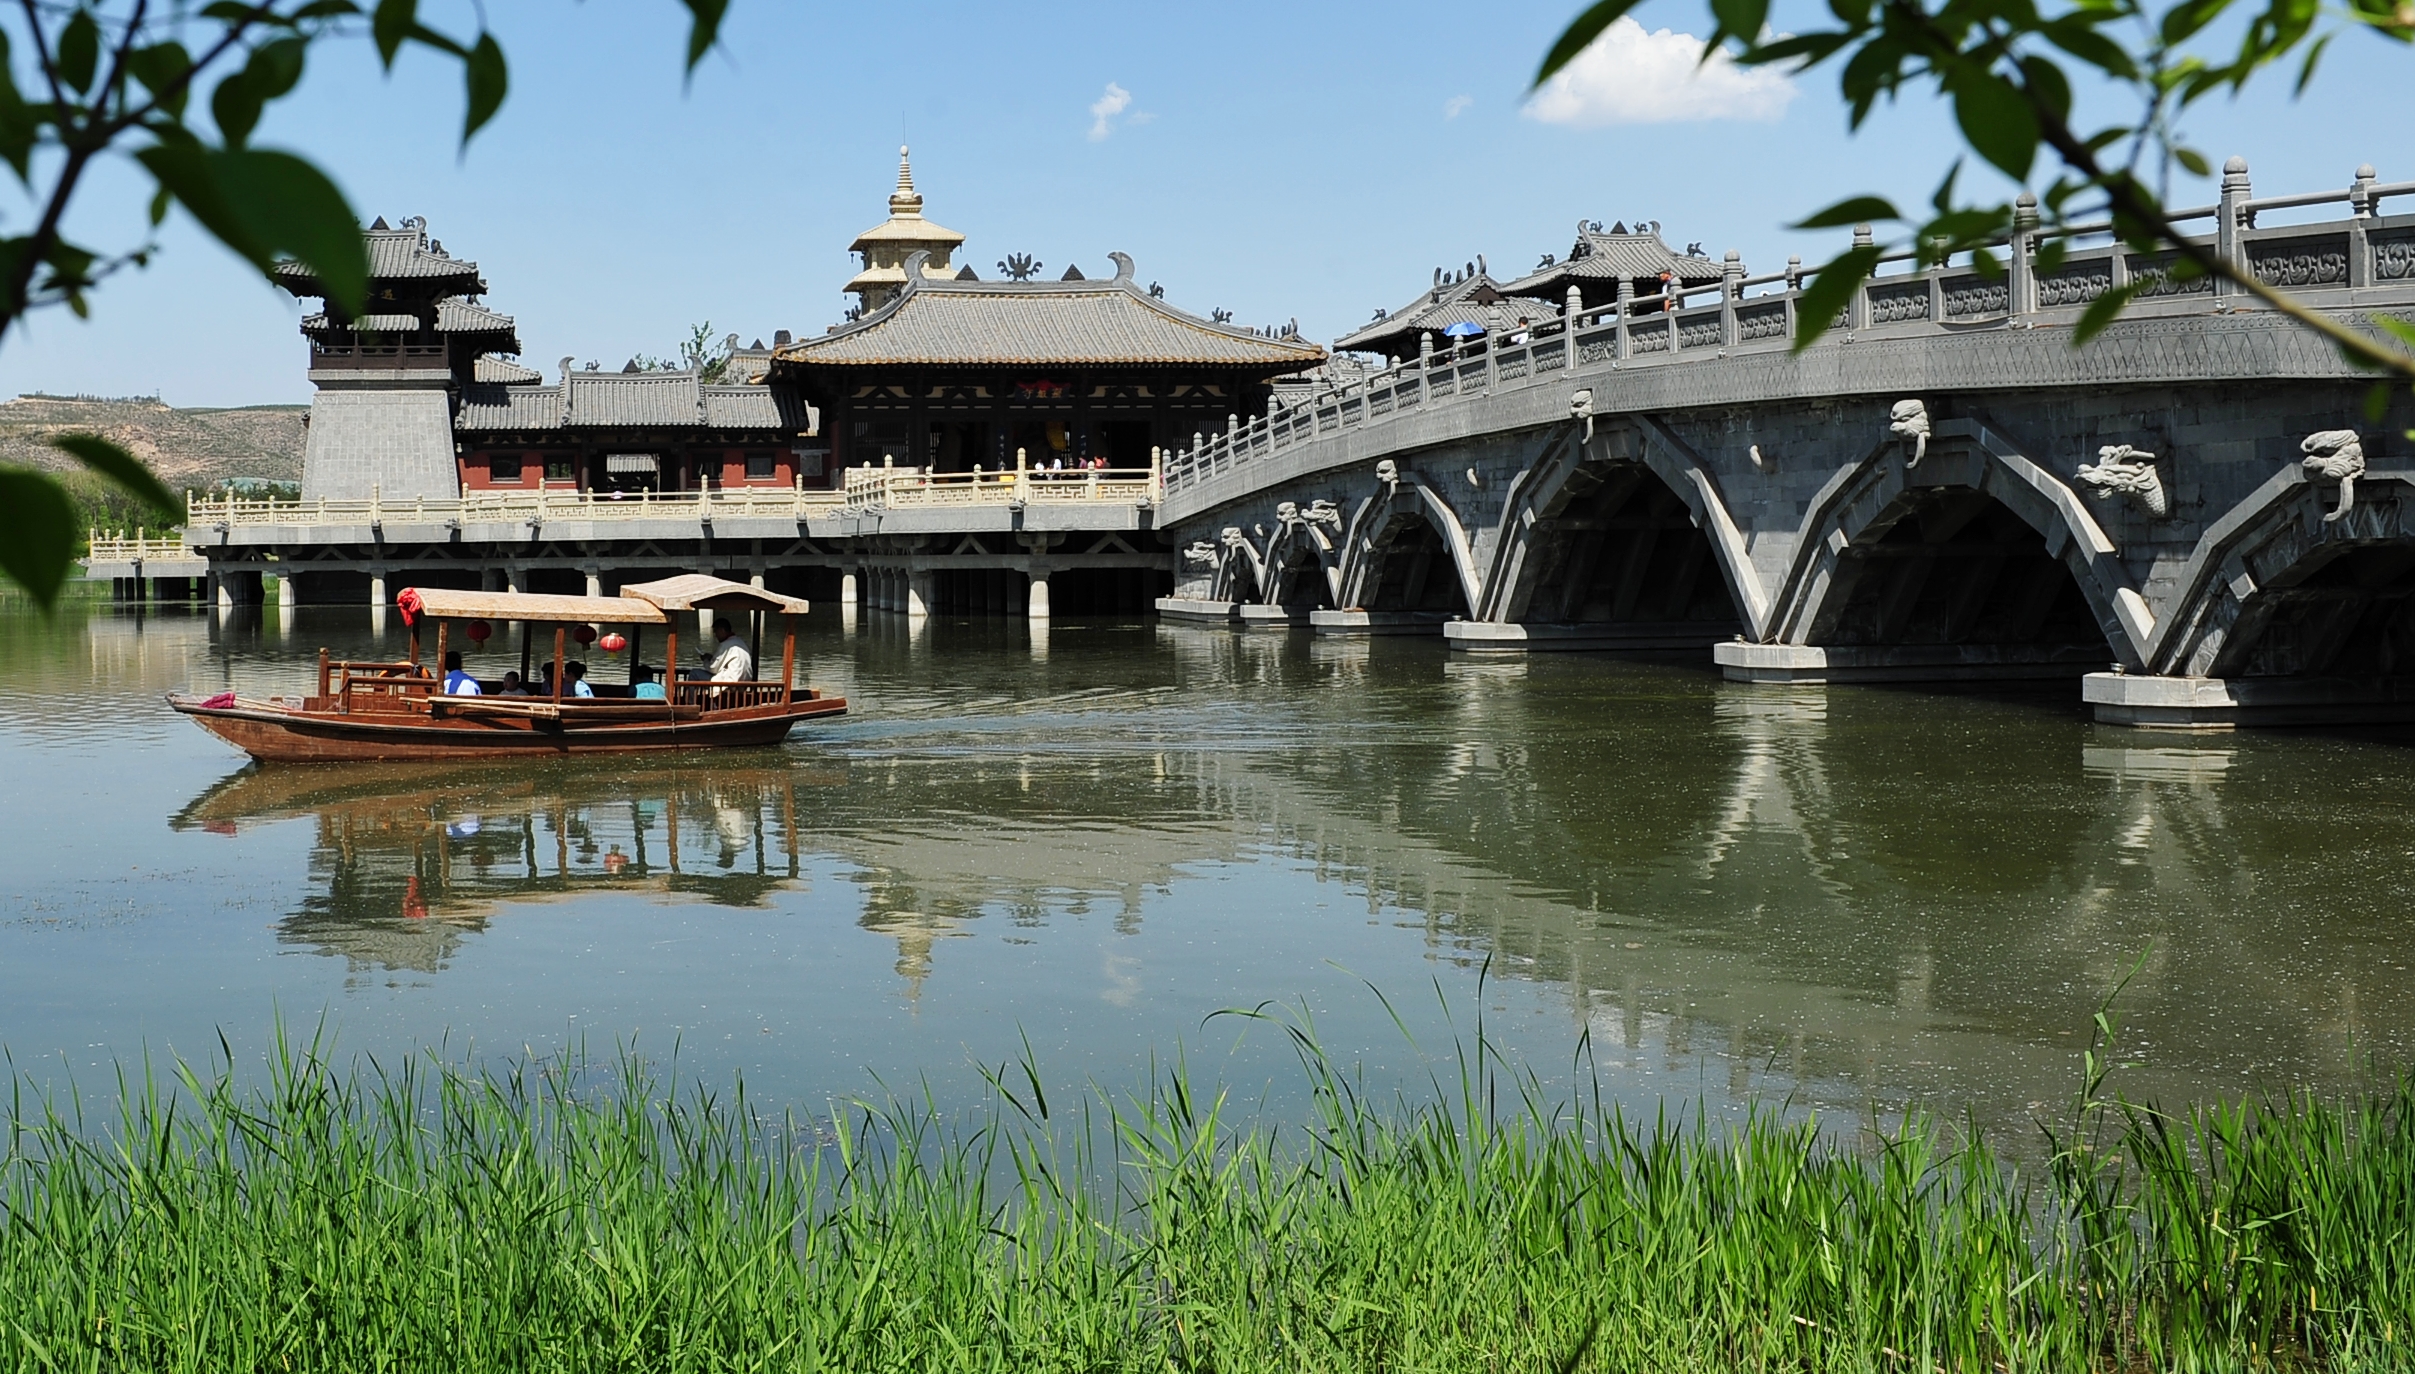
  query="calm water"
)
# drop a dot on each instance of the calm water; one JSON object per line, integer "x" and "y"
{"x": 1096, "y": 838}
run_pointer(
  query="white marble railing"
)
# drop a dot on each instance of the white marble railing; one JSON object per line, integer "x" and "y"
{"x": 138, "y": 548}
{"x": 895, "y": 488}
{"x": 2364, "y": 250}
{"x": 514, "y": 507}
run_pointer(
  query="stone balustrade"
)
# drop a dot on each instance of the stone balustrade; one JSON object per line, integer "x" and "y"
{"x": 2334, "y": 262}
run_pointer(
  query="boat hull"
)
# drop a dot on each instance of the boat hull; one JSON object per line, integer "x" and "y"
{"x": 279, "y": 734}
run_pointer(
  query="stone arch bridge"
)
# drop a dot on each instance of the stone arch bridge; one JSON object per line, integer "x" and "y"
{"x": 2195, "y": 514}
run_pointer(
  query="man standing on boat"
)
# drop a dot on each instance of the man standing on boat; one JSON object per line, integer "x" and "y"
{"x": 456, "y": 682}
{"x": 731, "y": 663}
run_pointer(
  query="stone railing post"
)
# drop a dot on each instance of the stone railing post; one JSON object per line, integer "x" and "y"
{"x": 1794, "y": 288}
{"x": 1857, "y": 314}
{"x": 1425, "y": 365}
{"x": 1731, "y": 290}
{"x": 2021, "y": 278}
{"x": 1672, "y": 300}
{"x": 1568, "y": 323}
{"x": 2360, "y": 210}
{"x": 1936, "y": 275}
{"x": 1626, "y": 310}
{"x": 2231, "y": 222}
{"x": 1492, "y": 361}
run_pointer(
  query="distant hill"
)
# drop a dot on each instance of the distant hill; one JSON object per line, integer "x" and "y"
{"x": 189, "y": 449}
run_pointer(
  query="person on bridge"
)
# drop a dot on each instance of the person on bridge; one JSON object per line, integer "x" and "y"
{"x": 456, "y": 682}
{"x": 731, "y": 663}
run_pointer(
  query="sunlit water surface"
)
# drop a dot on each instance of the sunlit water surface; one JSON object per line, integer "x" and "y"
{"x": 1090, "y": 838}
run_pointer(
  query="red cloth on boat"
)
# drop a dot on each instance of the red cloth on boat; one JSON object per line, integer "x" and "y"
{"x": 219, "y": 702}
{"x": 408, "y": 603}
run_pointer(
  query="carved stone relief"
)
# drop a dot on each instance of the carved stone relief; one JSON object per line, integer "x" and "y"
{"x": 1580, "y": 407}
{"x": 2121, "y": 470}
{"x": 2337, "y": 454}
{"x": 1908, "y": 421}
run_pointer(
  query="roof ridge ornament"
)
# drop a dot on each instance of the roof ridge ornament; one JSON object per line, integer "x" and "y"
{"x": 1123, "y": 267}
{"x": 905, "y": 201}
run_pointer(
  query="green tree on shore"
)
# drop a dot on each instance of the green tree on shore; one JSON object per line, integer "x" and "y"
{"x": 120, "y": 77}
{"x": 2007, "y": 68}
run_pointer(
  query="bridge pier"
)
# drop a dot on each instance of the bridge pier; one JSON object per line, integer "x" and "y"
{"x": 1345, "y": 624}
{"x": 2157, "y": 702}
{"x": 1740, "y": 661}
{"x": 1035, "y": 606}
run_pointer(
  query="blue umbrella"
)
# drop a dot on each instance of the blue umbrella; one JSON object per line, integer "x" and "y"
{"x": 1464, "y": 329}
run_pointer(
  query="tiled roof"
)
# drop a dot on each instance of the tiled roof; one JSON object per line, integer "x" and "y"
{"x": 495, "y": 406}
{"x": 461, "y": 317}
{"x": 1611, "y": 257}
{"x": 629, "y": 400}
{"x": 490, "y": 368}
{"x": 366, "y": 324}
{"x": 405, "y": 254}
{"x": 1087, "y": 323}
{"x": 1477, "y": 298}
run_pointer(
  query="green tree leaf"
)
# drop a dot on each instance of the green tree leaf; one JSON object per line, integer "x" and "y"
{"x": 2103, "y": 309}
{"x": 79, "y": 51}
{"x": 1815, "y": 310}
{"x": 261, "y": 204}
{"x": 488, "y": 80}
{"x": 390, "y": 24}
{"x": 1580, "y": 33}
{"x": 1857, "y": 210}
{"x": 1996, "y": 122}
{"x": 120, "y": 467}
{"x": 704, "y": 28}
{"x": 37, "y": 533}
{"x": 1741, "y": 19}
{"x": 163, "y": 69}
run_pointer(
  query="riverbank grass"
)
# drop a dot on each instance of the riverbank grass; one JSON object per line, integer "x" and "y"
{"x": 544, "y": 1216}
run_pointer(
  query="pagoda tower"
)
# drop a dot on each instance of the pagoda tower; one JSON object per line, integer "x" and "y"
{"x": 886, "y": 247}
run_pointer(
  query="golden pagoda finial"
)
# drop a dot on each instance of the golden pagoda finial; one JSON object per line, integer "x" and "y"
{"x": 905, "y": 201}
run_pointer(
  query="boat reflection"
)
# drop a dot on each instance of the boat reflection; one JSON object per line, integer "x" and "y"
{"x": 411, "y": 858}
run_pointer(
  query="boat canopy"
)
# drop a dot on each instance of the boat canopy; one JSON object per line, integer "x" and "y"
{"x": 697, "y": 592}
{"x": 529, "y": 606}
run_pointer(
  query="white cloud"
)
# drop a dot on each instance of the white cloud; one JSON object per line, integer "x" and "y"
{"x": 1633, "y": 76}
{"x": 1456, "y": 106}
{"x": 1104, "y": 110}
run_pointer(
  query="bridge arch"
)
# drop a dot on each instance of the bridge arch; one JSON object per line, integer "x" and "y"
{"x": 1407, "y": 551}
{"x": 2276, "y": 589}
{"x": 1975, "y": 552}
{"x": 1303, "y": 564}
{"x": 1624, "y": 533}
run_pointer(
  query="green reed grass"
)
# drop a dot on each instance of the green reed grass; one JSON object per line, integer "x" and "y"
{"x": 553, "y": 1215}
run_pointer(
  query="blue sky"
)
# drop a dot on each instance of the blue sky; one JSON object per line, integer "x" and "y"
{"x": 1299, "y": 160}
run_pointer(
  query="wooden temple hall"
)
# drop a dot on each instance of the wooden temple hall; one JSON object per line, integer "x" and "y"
{"x": 860, "y": 464}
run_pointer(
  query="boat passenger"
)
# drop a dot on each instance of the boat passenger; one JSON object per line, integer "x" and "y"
{"x": 456, "y": 682}
{"x": 576, "y": 675}
{"x": 512, "y": 685}
{"x": 731, "y": 663}
{"x": 645, "y": 688}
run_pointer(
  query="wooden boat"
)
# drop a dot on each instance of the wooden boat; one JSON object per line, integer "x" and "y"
{"x": 399, "y": 711}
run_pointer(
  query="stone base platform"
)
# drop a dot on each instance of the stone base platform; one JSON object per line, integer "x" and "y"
{"x": 1198, "y": 612}
{"x": 1252, "y": 617}
{"x": 1485, "y": 637}
{"x": 2213, "y": 703}
{"x": 1377, "y": 622}
{"x": 1742, "y": 662}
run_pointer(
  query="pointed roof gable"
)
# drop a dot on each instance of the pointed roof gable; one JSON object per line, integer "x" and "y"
{"x": 944, "y": 322}
{"x": 1608, "y": 258}
{"x": 1474, "y": 298}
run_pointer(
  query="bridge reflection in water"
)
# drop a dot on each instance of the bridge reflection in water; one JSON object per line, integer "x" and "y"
{"x": 1864, "y": 894}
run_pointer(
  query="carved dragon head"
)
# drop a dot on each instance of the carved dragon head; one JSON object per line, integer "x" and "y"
{"x": 2121, "y": 470}
{"x": 1908, "y": 421}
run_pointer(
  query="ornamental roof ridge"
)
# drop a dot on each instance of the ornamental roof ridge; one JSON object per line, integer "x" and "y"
{"x": 1099, "y": 338}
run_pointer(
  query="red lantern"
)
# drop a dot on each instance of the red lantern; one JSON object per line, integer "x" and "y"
{"x": 584, "y": 634}
{"x": 478, "y": 631}
{"x": 612, "y": 643}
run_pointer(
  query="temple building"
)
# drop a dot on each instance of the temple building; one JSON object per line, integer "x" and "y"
{"x": 1468, "y": 302}
{"x": 952, "y": 374}
{"x": 1600, "y": 259}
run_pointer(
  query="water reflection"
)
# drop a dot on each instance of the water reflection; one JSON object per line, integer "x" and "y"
{"x": 1851, "y": 893}
{"x": 409, "y": 859}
